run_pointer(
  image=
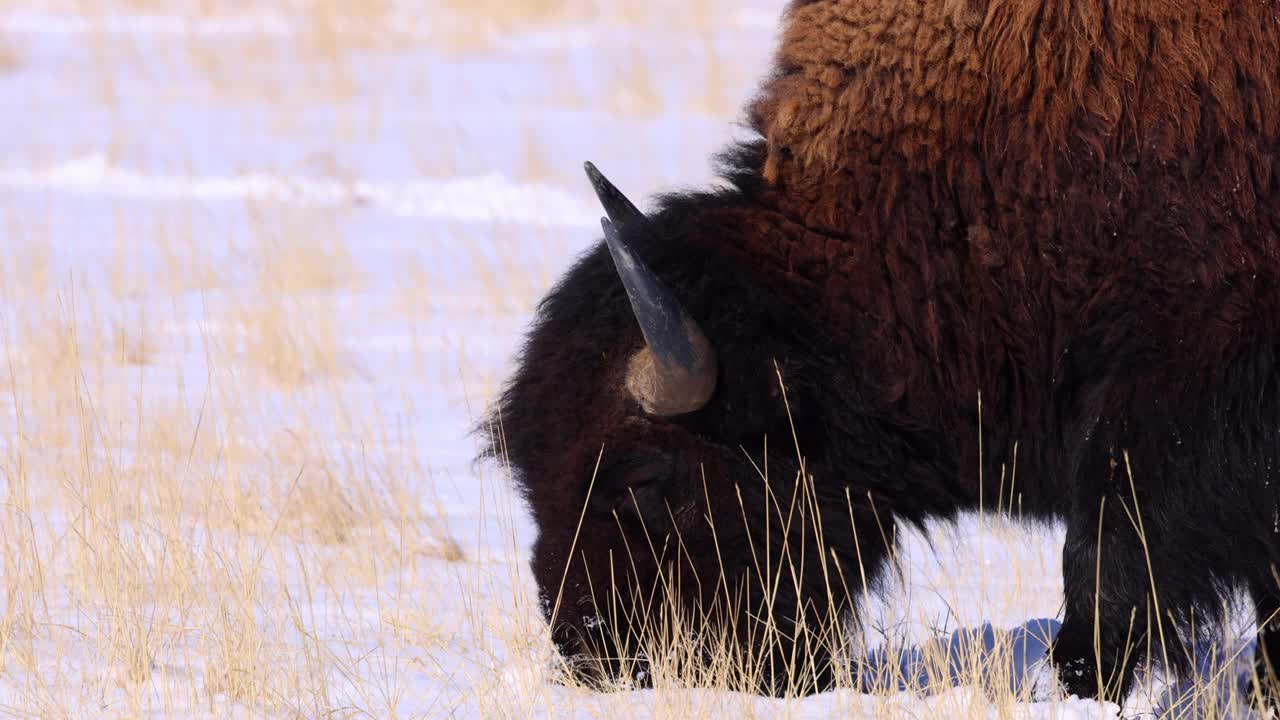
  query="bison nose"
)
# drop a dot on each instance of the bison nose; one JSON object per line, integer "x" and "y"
{"x": 581, "y": 664}
{"x": 582, "y": 668}
{"x": 591, "y": 660}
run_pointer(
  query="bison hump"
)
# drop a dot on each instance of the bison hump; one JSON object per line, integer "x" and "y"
{"x": 916, "y": 83}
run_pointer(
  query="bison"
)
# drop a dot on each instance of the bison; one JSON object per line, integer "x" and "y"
{"x": 970, "y": 236}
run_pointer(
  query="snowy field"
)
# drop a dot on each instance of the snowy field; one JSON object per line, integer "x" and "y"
{"x": 263, "y": 266}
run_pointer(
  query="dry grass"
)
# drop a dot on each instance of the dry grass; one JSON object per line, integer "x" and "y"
{"x": 193, "y": 554}
{"x": 178, "y": 529}
{"x": 962, "y": 679}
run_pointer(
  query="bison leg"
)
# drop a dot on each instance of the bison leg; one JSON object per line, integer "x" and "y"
{"x": 1109, "y": 609}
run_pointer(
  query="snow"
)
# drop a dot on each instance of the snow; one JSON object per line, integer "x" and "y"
{"x": 146, "y": 25}
{"x": 486, "y": 198}
{"x": 440, "y": 177}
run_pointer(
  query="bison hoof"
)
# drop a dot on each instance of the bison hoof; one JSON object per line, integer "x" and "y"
{"x": 1079, "y": 677}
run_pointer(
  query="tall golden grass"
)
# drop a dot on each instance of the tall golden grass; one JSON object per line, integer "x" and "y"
{"x": 177, "y": 532}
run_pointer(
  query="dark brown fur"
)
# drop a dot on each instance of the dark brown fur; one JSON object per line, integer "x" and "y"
{"x": 1067, "y": 208}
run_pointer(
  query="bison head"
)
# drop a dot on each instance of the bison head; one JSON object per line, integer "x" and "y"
{"x": 665, "y": 424}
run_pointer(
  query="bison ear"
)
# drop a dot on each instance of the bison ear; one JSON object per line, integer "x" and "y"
{"x": 676, "y": 371}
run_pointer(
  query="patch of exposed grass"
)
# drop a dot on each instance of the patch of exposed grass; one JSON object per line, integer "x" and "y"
{"x": 183, "y": 529}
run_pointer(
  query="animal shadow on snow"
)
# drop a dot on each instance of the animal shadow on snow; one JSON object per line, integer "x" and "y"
{"x": 1023, "y": 652}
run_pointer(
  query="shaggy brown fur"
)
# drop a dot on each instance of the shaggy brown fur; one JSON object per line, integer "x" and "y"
{"x": 1001, "y": 177}
{"x": 1065, "y": 207}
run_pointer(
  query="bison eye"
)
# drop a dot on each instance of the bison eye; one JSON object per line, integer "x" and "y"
{"x": 635, "y": 489}
{"x": 647, "y": 474}
{"x": 645, "y": 504}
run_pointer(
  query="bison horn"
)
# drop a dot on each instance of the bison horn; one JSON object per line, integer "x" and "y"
{"x": 676, "y": 372}
{"x": 619, "y": 208}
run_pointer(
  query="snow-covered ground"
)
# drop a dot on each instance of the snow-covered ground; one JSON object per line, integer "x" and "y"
{"x": 262, "y": 267}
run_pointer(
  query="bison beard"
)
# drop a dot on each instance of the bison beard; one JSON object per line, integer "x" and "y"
{"x": 1066, "y": 209}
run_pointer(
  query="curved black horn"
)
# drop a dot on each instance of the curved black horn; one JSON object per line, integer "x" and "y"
{"x": 676, "y": 372}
